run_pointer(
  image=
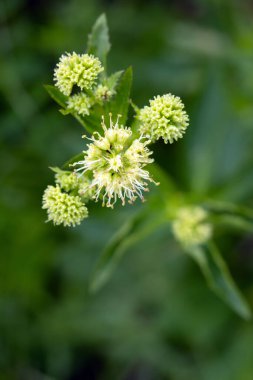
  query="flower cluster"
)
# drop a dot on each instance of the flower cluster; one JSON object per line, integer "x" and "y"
{"x": 66, "y": 180}
{"x": 80, "y": 103}
{"x": 113, "y": 167}
{"x": 191, "y": 227}
{"x": 63, "y": 208}
{"x": 165, "y": 118}
{"x": 116, "y": 162}
{"x": 82, "y": 71}
{"x": 76, "y": 69}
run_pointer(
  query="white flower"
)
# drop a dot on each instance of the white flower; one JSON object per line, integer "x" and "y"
{"x": 116, "y": 163}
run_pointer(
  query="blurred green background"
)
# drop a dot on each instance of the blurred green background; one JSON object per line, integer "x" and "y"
{"x": 155, "y": 319}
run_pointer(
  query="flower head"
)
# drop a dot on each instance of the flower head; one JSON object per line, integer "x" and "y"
{"x": 191, "y": 226}
{"x": 164, "y": 118}
{"x": 80, "y": 103}
{"x": 63, "y": 208}
{"x": 76, "y": 69}
{"x": 116, "y": 163}
{"x": 66, "y": 180}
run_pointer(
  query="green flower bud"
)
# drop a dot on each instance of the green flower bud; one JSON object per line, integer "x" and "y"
{"x": 80, "y": 103}
{"x": 67, "y": 180}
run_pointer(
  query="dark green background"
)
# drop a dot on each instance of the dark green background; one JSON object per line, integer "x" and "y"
{"x": 156, "y": 318}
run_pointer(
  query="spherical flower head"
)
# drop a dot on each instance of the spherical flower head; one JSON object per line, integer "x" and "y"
{"x": 63, "y": 208}
{"x": 76, "y": 69}
{"x": 165, "y": 118}
{"x": 102, "y": 93}
{"x": 191, "y": 226}
{"x": 116, "y": 163}
{"x": 80, "y": 103}
{"x": 67, "y": 180}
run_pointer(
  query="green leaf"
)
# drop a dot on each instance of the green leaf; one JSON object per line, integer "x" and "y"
{"x": 219, "y": 279}
{"x": 231, "y": 214}
{"x": 98, "y": 40}
{"x": 239, "y": 185}
{"x": 215, "y": 132}
{"x": 87, "y": 122}
{"x": 222, "y": 207}
{"x": 166, "y": 194}
{"x": 233, "y": 221}
{"x": 113, "y": 79}
{"x": 76, "y": 158}
{"x": 115, "y": 105}
{"x": 166, "y": 184}
{"x": 57, "y": 170}
{"x": 136, "y": 228}
{"x": 90, "y": 123}
{"x": 56, "y": 95}
{"x": 118, "y": 105}
{"x": 120, "y": 102}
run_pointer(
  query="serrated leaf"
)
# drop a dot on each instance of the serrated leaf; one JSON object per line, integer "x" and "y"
{"x": 135, "y": 229}
{"x": 98, "y": 39}
{"x": 120, "y": 102}
{"x": 56, "y": 95}
{"x": 219, "y": 279}
{"x": 113, "y": 79}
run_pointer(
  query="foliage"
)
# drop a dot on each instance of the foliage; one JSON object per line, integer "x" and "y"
{"x": 154, "y": 317}
{"x": 209, "y": 260}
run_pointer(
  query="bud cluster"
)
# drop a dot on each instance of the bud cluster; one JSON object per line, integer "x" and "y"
{"x": 81, "y": 71}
